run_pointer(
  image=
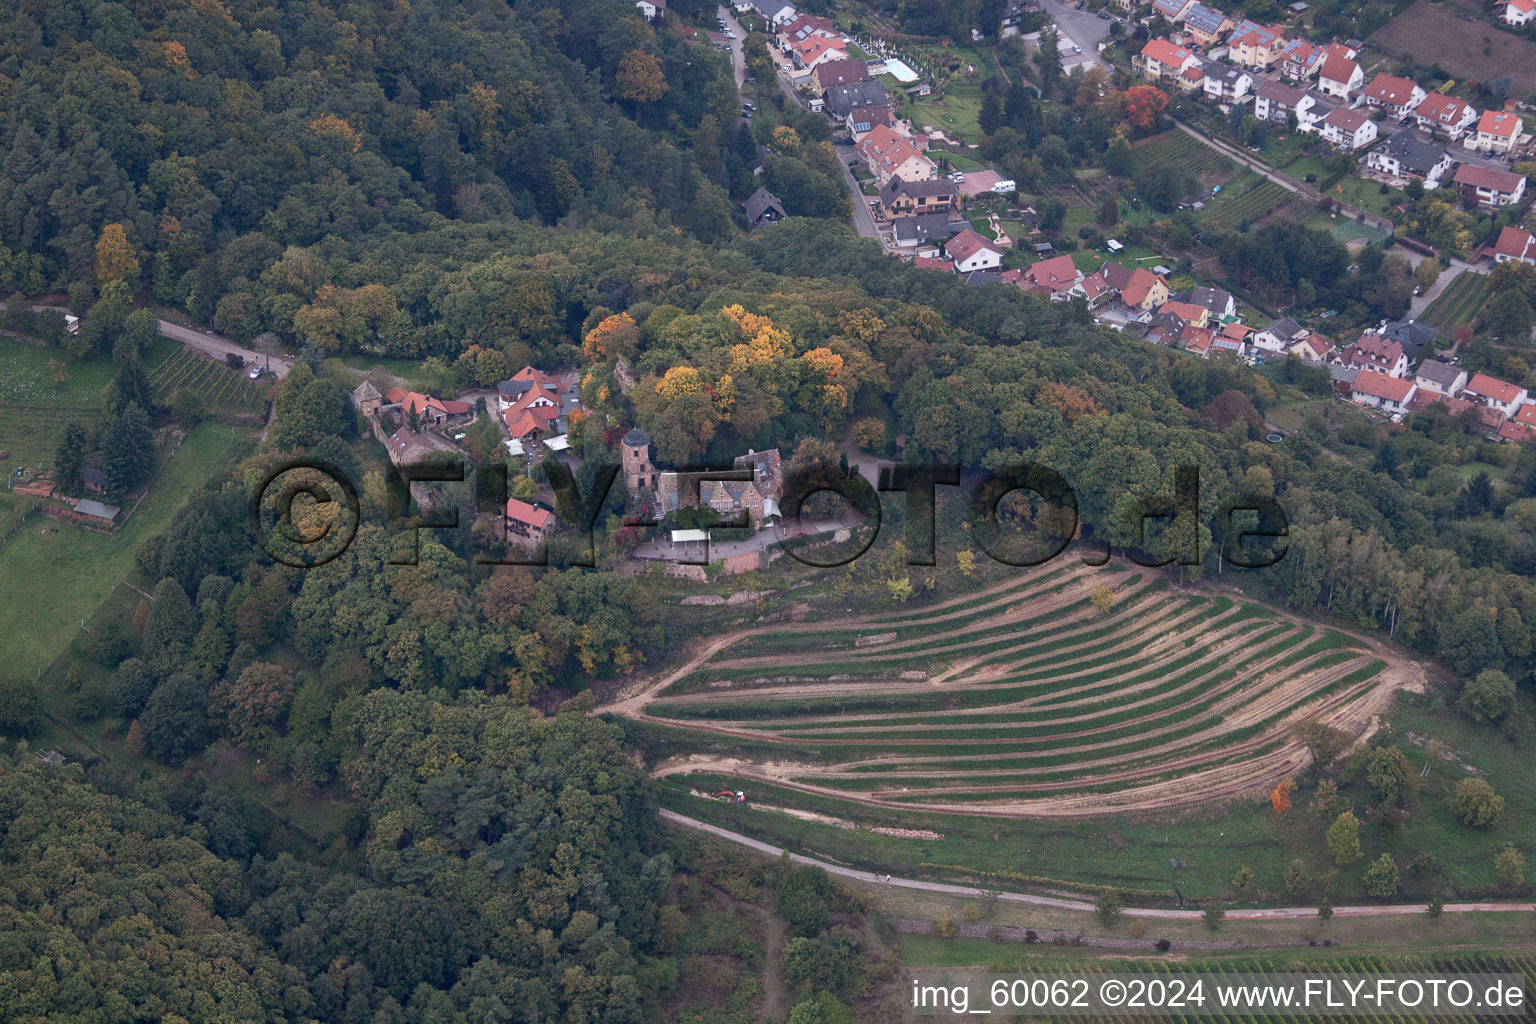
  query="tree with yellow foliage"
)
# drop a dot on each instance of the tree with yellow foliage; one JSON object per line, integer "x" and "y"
{"x": 116, "y": 258}
{"x": 640, "y": 78}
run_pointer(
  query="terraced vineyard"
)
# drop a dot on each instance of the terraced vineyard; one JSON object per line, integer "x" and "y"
{"x": 1259, "y": 200}
{"x": 1459, "y": 303}
{"x": 224, "y": 391}
{"x": 1024, "y": 700}
{"x": 1179, "y": 149}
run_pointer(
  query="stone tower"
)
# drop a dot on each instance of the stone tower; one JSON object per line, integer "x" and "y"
{"x": 638, "y": 471}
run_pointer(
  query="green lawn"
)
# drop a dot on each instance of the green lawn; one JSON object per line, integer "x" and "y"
{"x": 78, "y": 569}
{"x": 34, "y": 410}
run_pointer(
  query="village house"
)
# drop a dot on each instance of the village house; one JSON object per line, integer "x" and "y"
{"x": 1172, "y": 10}
{"x": 971, "y": 251}
{"x": 833, "y": 73}
{"x": 527, "y": 525}
{"x": 1278, "y": 335}
{"x": 406, "y": 447}
{"x": 1094, "y": 290}
{"x": 429, "y": 411}
{"x": 1413, "y": 335}
{"x": 1515, "y": 245}
{"x": 1254, "y": 46}
{"x": 806, "y": 26}
{"x": 840, "y": 99}
{"x": 891, "y": 156}
{"x": 1496, "y": 394}
{"x": 1440, "y": 378}
{"x": 927, "y": 230}
{"x": 1206, "y": 25}
{"x": 864, "y": 119}
{"x": 1163, "y": 60}
{"x": 1199, "y": 340}
{"x": 1486, "y": 186}
{"x": 1517, "y": 12}
{"x": 1164, "y": 328}
{"x": 775, "y": 12}
{"x": 367, "y": 399}
{"x": 1224, "y": 83}
{"x": 652, "y": 10}
{"x": 1144, "y": 291}
{"x": 1348, "y": 129}
{"x": 1056, "y": 277}
{"x": 1188, "y": 312}
{"x": 763, "y": 207}
{"x": 1192, "y": 79}
{"x": 899, "y": 196}
{"x": 1405, "y": 155}
{"x": 809, "y": 53}
{"x": 1299, "y": 60}
{"x": 1446, "y": 114}
{"x": 1218, "y": 301}
{"x": 1498, "y": 131}
{"x": 1276, "y": 101}
{"x": 1339, "y": 77}
{"x": 1377, "y": 390}
{"x": 1397, "y": 96}
{"x": 533, "y": 403}
{"x": 1373, "y": 352}
{"x": 1311, "y": 348}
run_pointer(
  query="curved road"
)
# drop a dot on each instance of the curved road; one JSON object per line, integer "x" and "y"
{"x": 214, "y": 345}
{"x": 1256, "y": 914}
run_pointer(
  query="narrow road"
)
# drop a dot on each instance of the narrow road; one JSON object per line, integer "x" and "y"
{"x": 1247, "y": 160}
{"x": 215, "y": 345}
{"x": 863, "y": 220}
{"x": 1420, "y": 303}
{"x": 738, "y": 59}
{"x": 1235, "y": 914}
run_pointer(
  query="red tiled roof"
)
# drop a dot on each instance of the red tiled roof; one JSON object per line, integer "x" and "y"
{"x": 1526, "y": 414}
{"x": 1185, "y": 310}
{"x": 1164, "y": 52}
{"x": 933, "y": 263}
{"x": 1516, "y": 244}
{"x": 1379, "y": 385}
{"x": 1443, "y": 109}
{"x": 1491, "y": 387}
{"x": 1523, "y": 6}
{"x": 841, "y": 72}
{"x": 1506, "y": 182}
{"x": 1391, "y": 89}
{"x": 1498, "y": 122}
{"x": 1135, "y": 293}
{"x": 1057, "y": 273}
{"x": 1338, "y": 68}
{"x": 967, "y": 244}
{"x": 523, "y": 512}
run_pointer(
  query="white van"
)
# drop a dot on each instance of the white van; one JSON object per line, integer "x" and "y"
{"x": 1005, "y": 186}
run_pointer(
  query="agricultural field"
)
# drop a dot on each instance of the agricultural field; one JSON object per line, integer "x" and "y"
{"x": 1459, "y": 303}
{"x": 1255, "y": 199}
{"x": 1024, "y": 700}
{"x": 226, "y": 393}
{"x": 1440, "y": 34}
{"x": 1178, "y": 149}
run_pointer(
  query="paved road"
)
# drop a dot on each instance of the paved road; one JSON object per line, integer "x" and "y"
{"x": 863, "y": 220}
{"x": 738, "y": 59}
{"x": 215, "y": 345}
{"x": 1081, "y": 27}
{"x": 1420, "y": 303}
{"x": 1237, "y": 914}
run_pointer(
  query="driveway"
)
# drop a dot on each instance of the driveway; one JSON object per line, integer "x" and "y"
{"x": 1083, "y": 28}
{"x": 1233, "y": 914}
{"x": 1420, "y": 303}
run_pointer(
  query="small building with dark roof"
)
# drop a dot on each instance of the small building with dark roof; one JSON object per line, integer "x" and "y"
{"x": 763, "y": 207}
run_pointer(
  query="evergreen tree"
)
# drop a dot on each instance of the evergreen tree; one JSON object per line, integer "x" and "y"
{"x": 69, "y": 459}
{"x": 991, "y": 117}
{"x": 128, "y": 450}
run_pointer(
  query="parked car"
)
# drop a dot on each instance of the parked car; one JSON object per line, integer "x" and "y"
{"x": 254, "y": 373}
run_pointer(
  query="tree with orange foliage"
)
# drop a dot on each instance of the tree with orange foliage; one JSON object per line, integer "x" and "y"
{"x": 614, "y": 337}
{"x": 1280, "y": 796}
{"x": 640, "y": 77}
{"x": 1143, "y": 105}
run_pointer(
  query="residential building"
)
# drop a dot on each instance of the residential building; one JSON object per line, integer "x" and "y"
{"x": 840, "y": 99}
{"x": 1094, "y": 289}
{"x": 1339, "y": 77}
{"x": 971, "y": 251}
{"x": 1190, "y": 313}
{"x": 527, "y": 525}
{"x": 863, "y": 119}
{"x": 1173, "y": 10}
{"x": 1497, "y": 394}
{"x": 652, "y": 10}
{"x": 1163, "y": 60}
{"x": 1517, "y": 12}
{"x": 1057, "y": 276}
{"x": 1198, "y": 340}
{"x": 1254, "y": 46}
{"x": 817, "y": 50}
{"x": 1164, "y": 328}
{"x": 763, "y": 207}
{"x": 1393, "y": 94}
{"x": 1276, "y": 101}
{"x": 1498, "y": 131}
{"x": 1348, "y": 129}
{"x": 833, "y": 73}
{"x": 1145, "y": 290}
{"x": 891, "y": 156}
{"x": 1440, "y": 378}
{"x": 1192, "y": 78}
{"x": 1377, "y": 390}
{"x": 930, "y": 229}
{"x": 1414, "y": 336}
{"x": 1311, "y": 348}
{"x": 900, "y": 196}
{"x": 805, "y": 26}
{"x": 429, "y": 411}
{"x": 1447, "y": 114}
{"x": 1373, "y": 352}
{"x": 1217, "y": 301}
{"x": 532, "y": 403}
{"x": 775, "y": 12}
{"x": 1515, "y": 245}
{"x": 1299, "y": 60}
{"x": 1278, "y": 335}
{"x": 1226, "y": 84}
{"x": 1405, "y": 155}
{"x": 1206, "y": 25}
{"x": 1486, "y": 186}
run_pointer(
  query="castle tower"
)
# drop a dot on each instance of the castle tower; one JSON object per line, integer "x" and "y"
{"x": 638, "y": 471}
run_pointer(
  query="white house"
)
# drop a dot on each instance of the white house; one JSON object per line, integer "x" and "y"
{"x": 1494, "y": 393}
{"x": 1498, "y": 131}
{"x": 1517, "y": 12}
{"x": 1278, "y": 335}
{"x": 1349, "y": 129}
{"x": 1444, "y": 113}
{"x": 1225, "y": 83}
{"x": 1441, "y": 378}
{"x": 970, "y": 251}
{"x": 1373, "y": 352}
{"x": 1275, "y": 101}
{"x": 1161, "y": 59}
{"x": 1407, "y": 156}
{"x": 1340, "y": 77}
{"x": 1393, "y": 94}
{"x": 1377, "y": 390}
{"x": 1515, "y": 245}
{"x": 651, "y": 10}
